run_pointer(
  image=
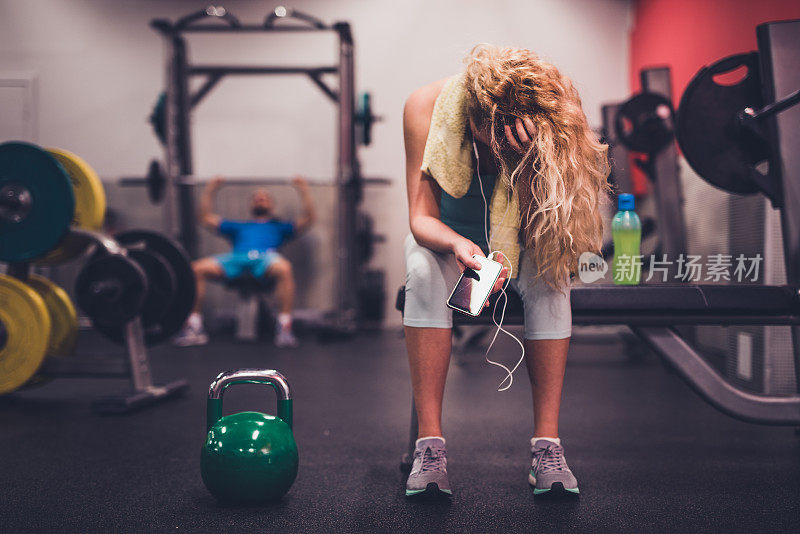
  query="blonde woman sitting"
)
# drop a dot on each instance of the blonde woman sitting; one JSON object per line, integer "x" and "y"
{"x": 508, "y": 131}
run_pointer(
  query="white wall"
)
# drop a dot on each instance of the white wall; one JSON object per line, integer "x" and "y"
{"x": 99, "y": 68}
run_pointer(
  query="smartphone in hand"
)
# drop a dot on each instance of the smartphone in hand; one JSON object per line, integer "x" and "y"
{"x": 474, "y": 287}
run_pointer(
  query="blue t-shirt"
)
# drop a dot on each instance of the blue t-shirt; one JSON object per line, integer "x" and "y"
{"x": 261, "y": 236}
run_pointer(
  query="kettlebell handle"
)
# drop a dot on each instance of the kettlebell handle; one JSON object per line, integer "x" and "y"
{"x": 248, "y": 376}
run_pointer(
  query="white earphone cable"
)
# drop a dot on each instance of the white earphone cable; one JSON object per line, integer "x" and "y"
{"x": 509, "y": 372}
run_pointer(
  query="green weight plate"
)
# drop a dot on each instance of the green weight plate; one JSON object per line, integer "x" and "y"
{"x": 36, "y": 202}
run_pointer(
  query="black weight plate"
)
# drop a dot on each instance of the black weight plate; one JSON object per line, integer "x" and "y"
{"x": 715, "y": 145}
{"x": 111, "y": 290}
{"x": 372, "y": 296}
{"x": 180, "y": 306}
{"x": 31, "y": 231}
{"x": 365, "y": 239}
{"x": 156, "y": 182}
{"x": 161, "y": 289}
{"x": 161, "y": 284}
{"x": 645, "y": 123}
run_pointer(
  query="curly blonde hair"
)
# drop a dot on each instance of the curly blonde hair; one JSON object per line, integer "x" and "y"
{"x": 562, "y": 178}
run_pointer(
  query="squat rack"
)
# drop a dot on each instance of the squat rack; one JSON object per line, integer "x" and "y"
{"x": 179, "y": 103}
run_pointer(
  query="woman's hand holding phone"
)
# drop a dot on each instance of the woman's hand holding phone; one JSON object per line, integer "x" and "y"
{"x": 464, "y": 249}
{"x": 500, "y": 258}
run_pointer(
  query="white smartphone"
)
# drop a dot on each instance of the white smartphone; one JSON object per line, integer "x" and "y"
{"x": 474, "y": 287}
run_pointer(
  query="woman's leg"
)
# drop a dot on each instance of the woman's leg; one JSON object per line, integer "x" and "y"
{"x": 428, "y": 358}
{"x": 549, "y": 473}
{"x": 428, "y": 325}
{"x": 548, "y": 327}
{"x": 546, "y": 360}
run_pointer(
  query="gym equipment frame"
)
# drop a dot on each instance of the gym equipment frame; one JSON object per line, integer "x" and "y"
{"x": 179, "y": 103}
{"x": 653, "y": 311}
{"x": 660, "y": 166}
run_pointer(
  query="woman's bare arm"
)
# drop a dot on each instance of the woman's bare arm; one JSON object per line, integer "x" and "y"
{"x": 423, "y": 191}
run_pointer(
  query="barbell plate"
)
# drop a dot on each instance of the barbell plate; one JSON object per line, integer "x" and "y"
{"x": 90, "y": 206}
{"x": 63, "y": 323}
{"x": 161, "y": 284}
{"x": 645, "y": 123}
{"x": 180, "y": 306}
{"x": 715, "y": 145}
{"x": 111, "y": 290}
{"x": 156, "y": 182}
{"x": 365, "y": 237}
{"x": 63, "y": 317}
{"x": 27, "y": 331}
{"x": 51, "y": 202}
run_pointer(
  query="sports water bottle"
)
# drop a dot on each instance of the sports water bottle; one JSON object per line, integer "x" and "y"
{"x": 627, "y": 232}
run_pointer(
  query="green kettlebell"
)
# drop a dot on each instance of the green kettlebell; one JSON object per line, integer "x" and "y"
{"x": 249, "y": 456}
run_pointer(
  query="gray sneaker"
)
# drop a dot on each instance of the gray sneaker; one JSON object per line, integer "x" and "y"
{"x": 190, "y": 336}
{"x": 550, "y": 474}
{"x": 284, "y": 338}
{"x": 428, "y": 475}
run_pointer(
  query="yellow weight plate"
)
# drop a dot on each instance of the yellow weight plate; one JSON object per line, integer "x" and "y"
{"x": 90, "y": 205}
{"x": 26, "y": 325}
{"x": 63, "y": 318}
{"x": 90, "y": 197}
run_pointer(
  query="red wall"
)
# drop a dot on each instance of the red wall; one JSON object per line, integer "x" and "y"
{"x": 688, "y": 34}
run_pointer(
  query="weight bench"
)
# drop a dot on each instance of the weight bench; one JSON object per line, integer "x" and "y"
{"x": 652, "y": 312}
{"x": 251, "y": 291}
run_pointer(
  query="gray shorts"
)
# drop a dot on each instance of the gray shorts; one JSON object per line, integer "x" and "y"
{"x": 431, "y": 276}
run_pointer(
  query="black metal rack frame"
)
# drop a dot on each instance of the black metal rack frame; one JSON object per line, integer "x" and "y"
{"x": 179, "y": 198}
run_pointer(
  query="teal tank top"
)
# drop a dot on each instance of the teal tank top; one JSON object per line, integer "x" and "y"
{"x": 465, "y": 215}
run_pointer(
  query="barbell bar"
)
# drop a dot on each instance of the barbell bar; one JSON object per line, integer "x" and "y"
{"x": 199, "y": 180}
{"x": 156, "y": 181}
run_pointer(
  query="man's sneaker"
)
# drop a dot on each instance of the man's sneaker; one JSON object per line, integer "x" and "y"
{"x": 284, "y": 338}
{"x": 190, "y": 336}
{"x": 550, "y": 474}
{"x": 428, "y": 475}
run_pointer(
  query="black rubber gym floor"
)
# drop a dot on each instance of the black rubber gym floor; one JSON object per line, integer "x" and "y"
{"x": 650, "y": 456}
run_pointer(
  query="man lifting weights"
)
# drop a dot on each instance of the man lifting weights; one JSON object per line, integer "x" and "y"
{"x": 255, "y": 252}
